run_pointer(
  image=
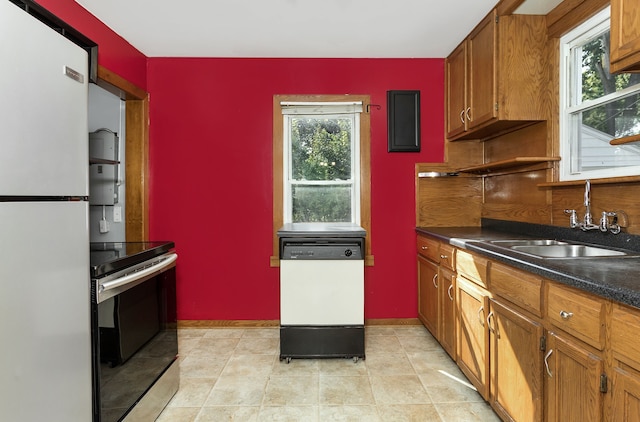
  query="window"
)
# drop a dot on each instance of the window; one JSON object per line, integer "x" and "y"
{"x": 321, "y": 162}
{"x": 595, "y": 106}
{"x": 314, "y": 184}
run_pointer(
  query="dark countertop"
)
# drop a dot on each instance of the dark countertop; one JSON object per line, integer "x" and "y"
{"x": 616, "y": 278}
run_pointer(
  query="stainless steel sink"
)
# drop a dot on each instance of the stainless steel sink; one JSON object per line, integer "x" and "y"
{"x": 559, "y": 249}
{"x": 526, "y": 242}
{"x": 567, "y": 251}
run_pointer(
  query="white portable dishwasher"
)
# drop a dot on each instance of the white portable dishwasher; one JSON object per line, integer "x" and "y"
{"x": 321, "y": 291}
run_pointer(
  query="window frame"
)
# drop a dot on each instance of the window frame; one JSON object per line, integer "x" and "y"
{"x": 570, "y": 87}
{"x": 278, "y": 166}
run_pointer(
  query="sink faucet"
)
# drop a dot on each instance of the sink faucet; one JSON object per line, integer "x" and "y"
{"x": 587, "y": 222}
{"x": 588, "y": 218}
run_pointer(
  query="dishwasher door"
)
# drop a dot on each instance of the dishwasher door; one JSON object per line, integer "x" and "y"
{"x": 321, "y": 298}
{"x": 322, "y": 292}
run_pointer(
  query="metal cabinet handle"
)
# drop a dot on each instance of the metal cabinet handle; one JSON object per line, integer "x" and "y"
{"x": 489, "y": 322}
{"x": 565, "y": 315}
{"x": 424, "y": 248}
{"x": 546, "y": 363}
{"x": 435, "y": 284}
{"x": 468, "y": 113}
{"x": 462, "y": 116}
{"x": 443, "y": 256}
{"x": 449, "y": 292}
{"x": 481, "y": 319}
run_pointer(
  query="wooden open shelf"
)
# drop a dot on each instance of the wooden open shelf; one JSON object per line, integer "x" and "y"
{"x": 93, "y": 160}
{"x": 512, "y": 163}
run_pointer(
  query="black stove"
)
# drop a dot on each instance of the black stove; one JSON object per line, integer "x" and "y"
{"x": 133, "y": 329}
{"x": 109, "y": 257}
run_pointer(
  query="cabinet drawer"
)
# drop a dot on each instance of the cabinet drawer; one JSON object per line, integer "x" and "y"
{"x": 472, "y": 267}
{"x": 577, "y": 314}
{"x": 428, "y": 248}
{"x": 522, "y": 289}
{"x": 625, "y": 326}
{"x": 447, "y": 256}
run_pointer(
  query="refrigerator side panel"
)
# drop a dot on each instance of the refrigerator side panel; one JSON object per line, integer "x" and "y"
{"x": 45, "y": 312}
{"x": 43, "y": 109}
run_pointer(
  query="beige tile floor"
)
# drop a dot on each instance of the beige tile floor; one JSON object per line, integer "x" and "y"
{"x": 230, "y": 374}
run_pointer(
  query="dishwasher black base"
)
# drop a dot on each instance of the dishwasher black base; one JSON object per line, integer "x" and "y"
{"x": 322, "y": 342}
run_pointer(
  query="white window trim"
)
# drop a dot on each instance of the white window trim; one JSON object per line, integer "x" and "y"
{"x": 592, "y": 26}
{"x": 350, "y": 110}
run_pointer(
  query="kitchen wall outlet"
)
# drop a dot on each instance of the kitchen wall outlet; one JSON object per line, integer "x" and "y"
{"x": 117, "y": 214}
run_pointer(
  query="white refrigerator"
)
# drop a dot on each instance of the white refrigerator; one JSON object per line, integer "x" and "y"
{"x": 45, "y": 356}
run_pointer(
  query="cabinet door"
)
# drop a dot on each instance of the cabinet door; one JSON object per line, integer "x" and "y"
{"x": 625, "y": 35}
{"x": 456, "y": 86}
{"x": 428, "y": 294}
{"x": 573, "y": 381}
{"x": 516, "y": 364}
{"x": 472, "y": 334}
{"x": 447, "y": 311}
{"x": 625, "y": 383}
{"x": 482, "y": 98}
{"x": 625, "y": 391}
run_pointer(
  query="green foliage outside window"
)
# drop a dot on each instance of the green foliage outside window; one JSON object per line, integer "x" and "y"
{"x": 617, "y": 118}
{"x": 321, "y": 152}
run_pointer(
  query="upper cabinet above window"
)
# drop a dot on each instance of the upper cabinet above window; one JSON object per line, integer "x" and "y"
{"x": 491, "y": 87}
{"x": 625, "y": 36}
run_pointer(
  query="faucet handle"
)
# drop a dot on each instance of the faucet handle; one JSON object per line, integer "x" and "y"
{"x": 604, "y": 221}
{"x": 573, "y": 218}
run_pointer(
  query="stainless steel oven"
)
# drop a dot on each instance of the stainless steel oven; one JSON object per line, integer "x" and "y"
{"x": 134, "y": 329}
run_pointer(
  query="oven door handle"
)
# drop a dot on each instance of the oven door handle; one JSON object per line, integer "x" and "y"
{"x": 157, "y": 268}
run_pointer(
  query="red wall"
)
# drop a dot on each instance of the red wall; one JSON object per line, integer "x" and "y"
{"x": 211, "y": 179}
{"x": 114, "y": 52}
{"x": 211, "y": 175}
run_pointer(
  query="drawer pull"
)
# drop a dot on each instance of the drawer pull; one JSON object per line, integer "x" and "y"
{"x": 443, "y": 256}
{"x": 435, "y": 284}
{"x": 546, "y": 363}
{"x": 449, "y": 292}
{"x": 565, "y": 315}
{"x": 424, "y": 248}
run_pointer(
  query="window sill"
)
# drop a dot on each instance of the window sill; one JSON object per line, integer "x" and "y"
{"x": 604, "y": 181}
{"x": 625, "y": 140}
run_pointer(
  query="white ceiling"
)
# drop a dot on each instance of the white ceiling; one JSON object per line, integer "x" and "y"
{"x": 295, "y": 28}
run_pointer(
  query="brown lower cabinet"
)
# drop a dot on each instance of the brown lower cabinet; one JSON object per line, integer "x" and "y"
{"x": 535, "y": 349}
{"x": 573, "y": 380}
{"x": 625, "y": 351}
{"x": 428, "y": 294}
{"x": 625, "y": 394}
{"x": 516, "y": 363}
{"x": 447, "y": 315}
{"x": 473, "y": 336}
{"x": 436, "y": 305}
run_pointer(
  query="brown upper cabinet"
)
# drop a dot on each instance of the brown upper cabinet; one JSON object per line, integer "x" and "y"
{"x": 625, "y": 36}
{"x": 492, "y": 85}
